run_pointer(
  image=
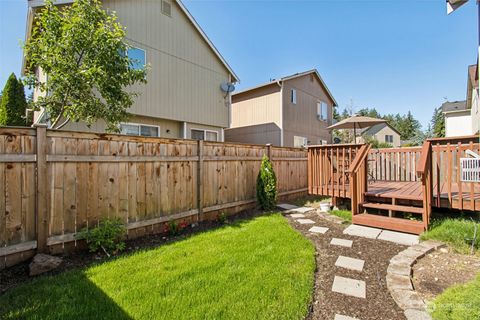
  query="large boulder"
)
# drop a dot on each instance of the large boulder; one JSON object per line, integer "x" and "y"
{"x": 42, "y": 263}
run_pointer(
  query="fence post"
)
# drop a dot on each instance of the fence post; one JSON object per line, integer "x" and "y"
{"x": 42, "y": 214}
{"x": 269, "y": 151}
{"x": 200, "y": 180}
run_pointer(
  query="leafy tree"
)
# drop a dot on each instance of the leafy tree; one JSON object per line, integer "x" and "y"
{"x": 13, "y": 103}
{"x": 82, "y": 50}
{"x": 438, "y": 123}
{"x": 266, "y": 185}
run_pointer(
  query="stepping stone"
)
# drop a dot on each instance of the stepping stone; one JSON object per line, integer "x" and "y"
{"x": 342, "y": 317}
{"x": 305, "y": 221}
{"x": 297, "y": 215}
{"x": 399, "y": 237}
{"x": 361, "y": 231}
{"x": 341, "y": 242}
{"x": 349, "y": 287}
{"x": 350, "y": 263}
{"x": 302, "y": 209}
{"x": 286, "y": 206}
{"x": 321, "y": 230}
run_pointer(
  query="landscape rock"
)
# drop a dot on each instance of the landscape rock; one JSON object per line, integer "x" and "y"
{"x": 42, "y": 263}
{"x": 412, "y": 314}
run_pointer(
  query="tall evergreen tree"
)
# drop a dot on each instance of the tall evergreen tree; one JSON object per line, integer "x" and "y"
{"x": 438, "y": 123}
{"x": 13, "y": 103}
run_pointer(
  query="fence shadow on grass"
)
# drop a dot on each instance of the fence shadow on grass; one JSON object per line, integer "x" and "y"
{"x": 70, "y": 295}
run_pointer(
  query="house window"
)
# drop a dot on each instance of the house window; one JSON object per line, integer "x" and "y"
{"x": 137, "y": 57}
{"x": 207, "y": 135}
{"x": 135, "y": 129}
{"x": 293, "y": 96}
{"x": 322, "y": 111}
{"x": 389, "y": 138}
{"x": 299, "y": 142}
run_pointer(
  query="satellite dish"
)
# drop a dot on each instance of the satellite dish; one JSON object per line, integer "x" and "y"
{"x": 336, "y": 140}
{"x": 227, "y": 87}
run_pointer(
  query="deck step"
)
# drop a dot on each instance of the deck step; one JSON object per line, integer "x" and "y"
{"x": 396, "y": 224}
{"x": 392, "y": 207}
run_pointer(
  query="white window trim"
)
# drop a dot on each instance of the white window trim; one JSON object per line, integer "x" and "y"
{"x": 319, "y": 110}
{"x": 305, "y": 140}
{"x": 205, "y": 133}
{"x": 142, "y": 124}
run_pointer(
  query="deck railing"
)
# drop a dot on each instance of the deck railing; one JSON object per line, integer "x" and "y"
{"x": 394, "y": 164}
{"x": 328, "y": 169}
{"x": 446, "y": 155}
{"x": 359, "y": 178}
{"x": 424, "y": 171}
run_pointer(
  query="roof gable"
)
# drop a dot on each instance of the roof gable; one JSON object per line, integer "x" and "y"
{"x": 377, "y": 128}
{"x": 294, "y": 76}
{"x": 39, "y": 3}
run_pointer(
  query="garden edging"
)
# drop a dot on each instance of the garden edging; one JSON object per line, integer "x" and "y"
{"x": 399, "y": 282}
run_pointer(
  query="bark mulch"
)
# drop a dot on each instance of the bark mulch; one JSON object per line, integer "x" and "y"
{"x": 376, "y": 254}
{"x": 442, "y": 269}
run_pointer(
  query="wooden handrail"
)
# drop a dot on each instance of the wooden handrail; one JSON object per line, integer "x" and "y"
{"x": 359, "y": 158}
{"x": 424, "y": 159}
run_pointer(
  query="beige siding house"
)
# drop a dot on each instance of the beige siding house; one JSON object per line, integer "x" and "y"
{"x": 182, "y": 98}
{"x": 381, "y": 132}
{"x": 293, "y": 111}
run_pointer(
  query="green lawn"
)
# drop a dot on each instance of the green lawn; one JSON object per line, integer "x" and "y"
{"x": 453, "y": 231}
{"x": 344, "y": 214}
{"x": 255, "y": 269}
{"x": 460, "y": 302}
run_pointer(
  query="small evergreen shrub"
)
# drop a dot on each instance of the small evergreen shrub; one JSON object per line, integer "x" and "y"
{"x": 108, "y": 236}
{"x": 222, "y": 218}
{"x": 13, "y": 103}
{"x": 266, "y": 185}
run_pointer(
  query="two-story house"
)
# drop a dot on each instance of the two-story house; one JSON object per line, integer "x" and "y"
{"x": 183, "y": 96}
{"x": 462, "y": 118}
{"x": 293, "y": 111}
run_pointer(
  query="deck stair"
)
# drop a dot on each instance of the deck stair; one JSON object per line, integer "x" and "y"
{"x": 392, "y": 207}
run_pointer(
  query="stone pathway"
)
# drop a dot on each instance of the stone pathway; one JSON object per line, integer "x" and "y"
{"x": 387, "y": 235}
{"x": 348, "y": 266}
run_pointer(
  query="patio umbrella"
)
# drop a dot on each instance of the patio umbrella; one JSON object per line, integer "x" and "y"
{"x": 356, "y": 122}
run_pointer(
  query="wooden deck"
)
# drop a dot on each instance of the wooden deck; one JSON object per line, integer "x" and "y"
{"x": 412, "y": 190}
{"x": 384, "y": 185}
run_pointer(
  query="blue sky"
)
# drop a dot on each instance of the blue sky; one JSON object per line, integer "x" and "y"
{"x": 394, "y": 55}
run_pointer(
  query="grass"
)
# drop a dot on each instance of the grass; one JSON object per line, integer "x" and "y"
{"x": 344, "y": 214}
{"x": 255, "y": 269}
{"x": 311, "y": 201}
{"x": 461, "y": 302}
{"x": 454, "y": 232}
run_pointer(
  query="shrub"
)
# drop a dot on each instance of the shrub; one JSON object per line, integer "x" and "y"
{"x": 377, "y": 144}
{"x": 266, "y": 185}
{"x": 108, "y": 236}
{"x": 173, "y": 228}
{"x": 222, "y": 218}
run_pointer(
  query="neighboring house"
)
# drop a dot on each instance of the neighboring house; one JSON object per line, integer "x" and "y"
{"x": 462, "y": 118}
{"x": 458, "y": 120}
{"x": 473, "y": 98}
{"x": 382, "y": 132}
{"x": 182, "y": 98}
{"x": 293, "y": 111}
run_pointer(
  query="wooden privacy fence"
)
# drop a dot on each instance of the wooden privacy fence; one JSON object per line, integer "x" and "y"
{"x": 55, "y": 183}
